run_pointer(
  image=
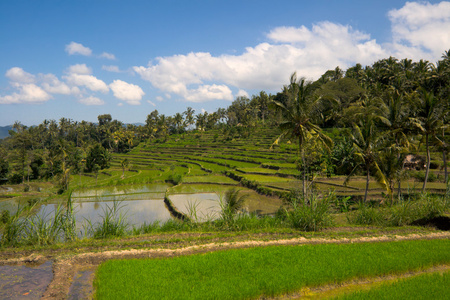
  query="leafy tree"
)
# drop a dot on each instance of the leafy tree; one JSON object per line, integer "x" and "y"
{"x": 4, "y": 167}
{"x": 99, "y": 156}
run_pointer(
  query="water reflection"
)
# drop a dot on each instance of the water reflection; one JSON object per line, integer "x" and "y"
{"x": 205, "y": 205}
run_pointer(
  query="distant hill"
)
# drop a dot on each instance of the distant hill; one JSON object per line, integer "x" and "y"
{"x": 4, "y": 131}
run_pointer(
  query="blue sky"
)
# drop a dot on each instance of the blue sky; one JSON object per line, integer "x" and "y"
{"x": 79, "y": 59}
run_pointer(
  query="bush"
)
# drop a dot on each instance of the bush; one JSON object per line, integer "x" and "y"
{"x": 310, "y": 215}
{"x": 366, "y": 215}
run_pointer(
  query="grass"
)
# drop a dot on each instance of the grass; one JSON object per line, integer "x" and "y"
{"x": 426, "y": 286}
{"x": 262, "y": 271}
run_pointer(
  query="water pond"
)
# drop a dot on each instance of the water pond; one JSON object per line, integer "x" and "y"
{"x": 145, "y": 203}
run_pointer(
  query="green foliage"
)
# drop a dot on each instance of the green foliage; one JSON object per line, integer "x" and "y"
{"x": 366, "y": 215}
{"x": 311, "y": 214}
{"x": 231, "y": 204}
{"x": 99, "y": 156}
{"x": 4, "y": 167}
{"x": 113, "y": 224}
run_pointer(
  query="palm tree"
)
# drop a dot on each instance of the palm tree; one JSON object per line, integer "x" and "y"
{"x": 429, "y": 122}
{"x": 298, "y": 118}
{"x": 366, "y": 116}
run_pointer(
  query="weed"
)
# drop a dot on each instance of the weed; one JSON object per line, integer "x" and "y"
{"x": 310, "y": 215}
{"x": 113, "y": 224}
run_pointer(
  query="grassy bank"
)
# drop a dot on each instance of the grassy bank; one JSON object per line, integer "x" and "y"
{"x": 247, "y": 273}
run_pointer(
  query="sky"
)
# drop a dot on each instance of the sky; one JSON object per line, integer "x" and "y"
{"x": 79, "y": 59}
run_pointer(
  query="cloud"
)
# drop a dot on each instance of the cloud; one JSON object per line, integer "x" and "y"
{"x": 201, "y": 77}
{"x": 242, "y": 93}
{"x": 159, "y": 98}
{"x": 91, "y": 82}
{"x": 51, "y": 84}
{"x": 76, "y": 48}
{"x": 130, "y": 93}
{"x": 151, "y": 103}
{"x": 421, "y": 29}
{"x": 91, "y": 101}
{"x": 79, "y": 69}
{"x": 17, "y": 74}
{"x": 28, "y": 93}
{"x": 108, "y": 56}
{"x": 111, "y": 68}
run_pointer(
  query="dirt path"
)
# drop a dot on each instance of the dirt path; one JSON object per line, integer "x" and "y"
{"x": 74, "y": 273}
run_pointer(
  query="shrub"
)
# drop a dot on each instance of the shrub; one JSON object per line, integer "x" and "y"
{"x": 366, "y": 215}
{"x": 310, "y": 215}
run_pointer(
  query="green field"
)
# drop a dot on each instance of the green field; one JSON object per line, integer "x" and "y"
{"x": 251, "y": 273}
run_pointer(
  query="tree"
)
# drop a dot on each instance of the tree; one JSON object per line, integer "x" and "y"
{"x": 99, "y": 156}
{"x": 124, "y": 164}
{"x": 429, "y": 121}
{"x": 298, "y": 118}
{"x": 189, "y": 116}
{"x": 367, "y": 117}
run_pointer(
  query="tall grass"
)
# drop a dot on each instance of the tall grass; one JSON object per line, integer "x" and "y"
{"x": 23, "y": 228}
{"x": 113, "y": 222}
{"x": 310, "y": 214}
{"x": 405, "y": 212}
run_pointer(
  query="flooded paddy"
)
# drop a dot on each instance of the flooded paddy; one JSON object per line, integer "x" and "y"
{"x": 144, "y": 203}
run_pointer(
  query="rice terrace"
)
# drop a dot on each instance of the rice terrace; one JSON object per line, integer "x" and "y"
{"x": 329, "y": 186}
{"x": 248, "y": 202}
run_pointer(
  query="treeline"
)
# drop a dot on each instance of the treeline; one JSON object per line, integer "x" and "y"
{"x": 383, "y": 112}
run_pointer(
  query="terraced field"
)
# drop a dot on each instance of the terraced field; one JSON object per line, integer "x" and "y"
{"x": 203, "y": 158}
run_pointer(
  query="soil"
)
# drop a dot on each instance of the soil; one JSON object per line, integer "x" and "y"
{"x": 73, "y": 271}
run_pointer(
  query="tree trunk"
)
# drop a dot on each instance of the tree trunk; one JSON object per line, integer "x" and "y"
{"x": 367, "y": 184}
{"x": 304, "y": 175}
{"x": 427, "y": 170}
{"x": 444, "y": 159}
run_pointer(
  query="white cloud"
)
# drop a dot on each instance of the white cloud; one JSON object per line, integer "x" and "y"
{"x": 242, "y": 93}
{"x": 51, "y": 84}
{"x": 79, "y": 69}
{"x": 91, "y": 82}
{"x": 159, "y": 98}
{"x": 209, "y": 92}
{"x": 28, "y": 93}
{"x": 111, "y": 68}
{"x": 421, "y": 29}
{"x": 203, "y": 77}
{"x": 91, "y": 101}
{"x": 17, "y": 74}
{"x": 151, "y": 103}
{"x": 130, "y": 93}
{"x": 108, "y": 56}
{"x": 76, "y": 48}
